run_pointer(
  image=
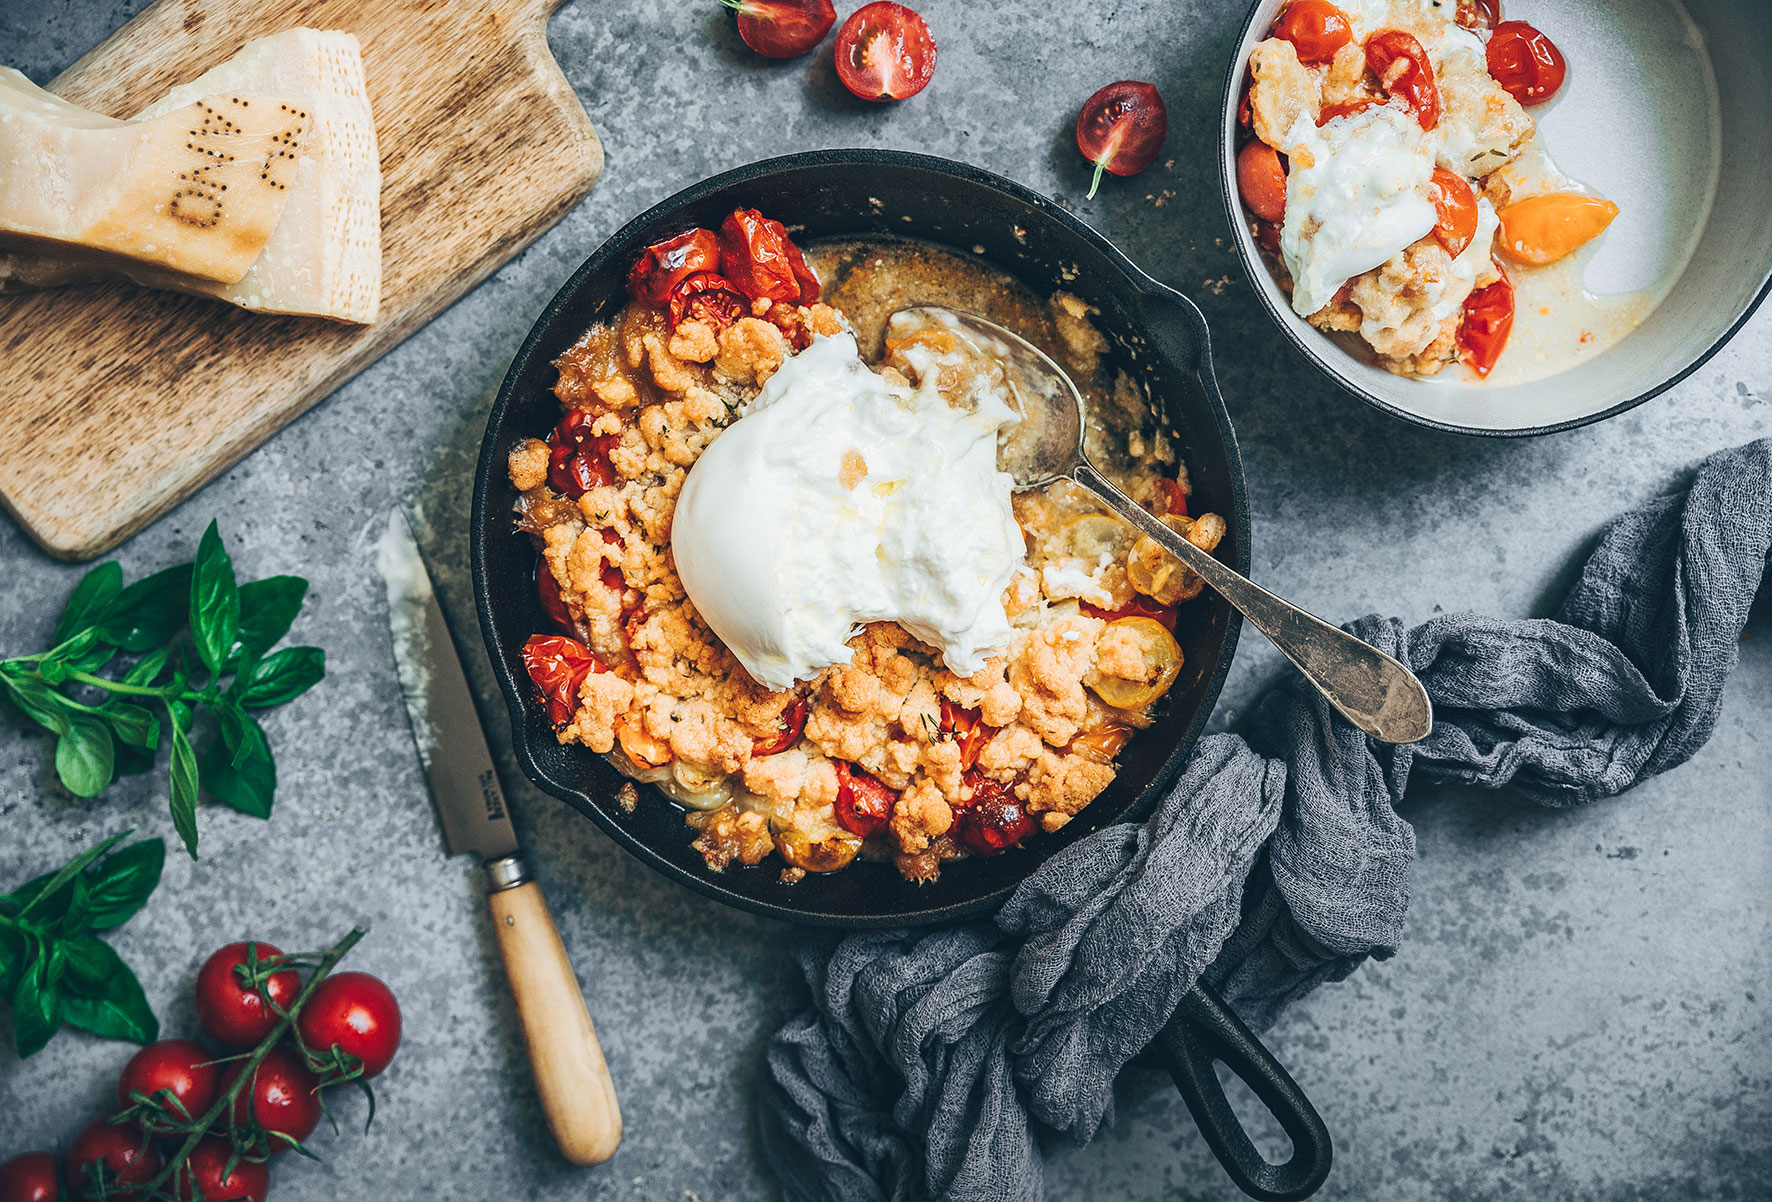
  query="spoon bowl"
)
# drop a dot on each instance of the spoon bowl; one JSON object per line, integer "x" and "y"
{"x": 1370, "y": 689}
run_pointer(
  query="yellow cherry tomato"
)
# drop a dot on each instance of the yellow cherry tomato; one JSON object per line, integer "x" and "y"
{"x": 824, "y": 850}
{"x": 1160, "y": 663}
{"x": 1542, "y": 229}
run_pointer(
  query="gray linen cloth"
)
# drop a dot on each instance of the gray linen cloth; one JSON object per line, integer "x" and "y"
{"x": 931, "y": 1063}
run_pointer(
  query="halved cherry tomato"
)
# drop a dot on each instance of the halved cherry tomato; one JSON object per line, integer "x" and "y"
{"x": 1488, "y": 320}
{"x": 1455, "y": 210}
{"x": 993, "y": 820}
{"x": 1122, "y": 128}
{"x": 1262, "y": 181}
{"x": 707, "y": 297}
{"x": 969, "y": 731}
{"x": 761, "y": 261}
{"x": 1139, "y": 607}
{"x": 1316, "y": 29}
{"x": 663, "y": 265}
{"x": 558, "y": 667}
{"x": 578, "y": 461}
{"x": 1405, "y": 73}
{"x": 783, "y": 28}
{"x": 864, "y": 805}
{"x": 1542, "y": 229}
{"x": 1527, "y": 65}
{"x": 1160, "y": 663}
{"x": 885, "y": 52}
{"x": 793, "y": 721}
{"x": 1342, "y": 108}
{"x": 1478, "y": 14}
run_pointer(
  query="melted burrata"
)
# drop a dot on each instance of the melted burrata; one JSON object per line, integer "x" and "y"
{"x": 838, "y": 499}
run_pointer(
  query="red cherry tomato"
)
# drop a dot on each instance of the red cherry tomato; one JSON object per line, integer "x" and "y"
{"x": 1316, "y": 29}
{"x": 761, "y": 261}
{"x": 202, "y": 1175}
{"x": 783, "y": 28}
{"x": 793, "y": 721}
{"x": 1405, "y": 73}
{"x": 1455, "y": 210}
{"x": 1342, "y": 108}
{"x": 558, "y": 667}
{"x": 1267, "y": 236}
{"x": 1167, "y": 498}
{"x": 968, "y": 729}
{"x": 231, "y": 1011}
{"x": 1525, "y": 63}
{"x": 1140, "y": 606}
{"x": 578, "y": 460}
{"x": 662, "y": 266}
{"x": 282, "y": 1098}
{"x": 117, "y": 1152}
{"x": 1488, "y": 320}
{"x": 864, "y": 805}
{"x": 707, "y": 297}
{"x": 885, "y": 52}
{"x": 552, "y": 603}
{"x": 791, "y": 321}
{"x": 178, "y": 1067}
{"x": 1121, "y": 129}
{"x": 1478, "y": 14}
{"x": 994, "y": 820}
{"x": 611, "y": 575}
{"x": 1262, "y": 181}
{"x": 32, "y": 1177}
{"x": 355, "y": 1013}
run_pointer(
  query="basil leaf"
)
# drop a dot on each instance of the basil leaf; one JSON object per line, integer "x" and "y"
{"x": 148, "y": 667}
{"x": 246, "y": 778}
{"x": 124, "y": 882}
{"x": 94, "y": 658}
{"x": 267, "y": 609}
{"x": 150, "y": 611}
{"x": 121, "y": 1010}
{"x": 38, "y": 702}
{"x": 87, "y": 965}
{"x": 49, "y": 884}
{"x": 283, "y": 676}
{"x": 215, "y": 601}
{"x": 75, "y": 907}
{"x": 15, "y": 954}
{"x": 133, "y": 761}
{"x": 134, "y": 725}
{"x": 184, "y": 787}
{"x": 90, "y": 601}
{"x": 34, "y": 1009}
{"x": 85, "y": 755}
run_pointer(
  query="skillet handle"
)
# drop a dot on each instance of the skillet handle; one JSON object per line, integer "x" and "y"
{"x": 1204, "y": 1030}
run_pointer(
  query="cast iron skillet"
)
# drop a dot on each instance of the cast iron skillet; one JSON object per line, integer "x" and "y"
{"x": 1157, "y": 334}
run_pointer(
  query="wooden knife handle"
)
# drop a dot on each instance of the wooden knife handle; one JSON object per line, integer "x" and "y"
{"x": 570, "y": 1075}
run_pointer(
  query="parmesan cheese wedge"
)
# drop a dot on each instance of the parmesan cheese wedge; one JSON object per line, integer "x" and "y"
{"x": 198, "y": 190}
{"x": 323, "y": 259}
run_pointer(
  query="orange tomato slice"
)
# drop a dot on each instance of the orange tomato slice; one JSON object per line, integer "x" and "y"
{"x": 1542, "y": 229}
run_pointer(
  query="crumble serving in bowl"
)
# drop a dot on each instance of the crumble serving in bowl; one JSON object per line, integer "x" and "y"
{"x": 888, "y": 753}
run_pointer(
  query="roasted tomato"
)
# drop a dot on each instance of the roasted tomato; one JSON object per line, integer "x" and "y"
{"x": 1138, "y": 607}
{"x": 1405, "y": 73}
{"x": 1455, "y": 210}
{"x": 578, "y": 460}
{"x": 1478, "y": 14}
{"x": 790, "y": 319}
{"x": 1542, "y": 229}
{"x": 175, "y": 1073}
{"x": 236, "y": 1012}
{"x": 1488, "y": 320}
{"x": 864, "y": 805}
{"x": 1160, "y": 661}
{"x": 968, "y": 730}
{"x": 885, "y": 52}
{"x": 783, "y": 28}
{"x": 1316, "y": 29}
{"x": 1525, "y": 63}
{"x": 793, "y": 721}
{"x": 1342, "y": 108}
{"x": 993, "y": 820}
{"x": 552, "y": 603}
{"x": 558, "y": 666}
{"x": 761, "y": 261}
{"x": 707, "y": 297}
{"x": 1102, "y": 744}
{"x": 1122, "y": 128}
{"x": 663, "y": 265}
{"x": 1261, "y": 181}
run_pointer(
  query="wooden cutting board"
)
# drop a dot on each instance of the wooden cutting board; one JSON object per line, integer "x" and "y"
{"x": 117, "y": 402}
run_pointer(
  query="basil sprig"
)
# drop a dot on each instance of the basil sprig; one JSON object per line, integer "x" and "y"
{"x": 204, "y": 646}
{"x": 54, "y": 969}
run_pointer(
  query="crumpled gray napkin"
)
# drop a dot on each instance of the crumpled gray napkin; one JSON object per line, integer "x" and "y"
{"x": 930, "y": 1063}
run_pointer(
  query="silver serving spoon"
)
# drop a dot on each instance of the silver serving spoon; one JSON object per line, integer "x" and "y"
{"x": 1366, "y": 686}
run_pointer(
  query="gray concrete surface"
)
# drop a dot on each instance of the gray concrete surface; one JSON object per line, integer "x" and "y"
{"x": 1582, "y": 1010}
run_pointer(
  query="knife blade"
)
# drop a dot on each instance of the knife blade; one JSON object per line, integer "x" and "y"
{"x": 445, "y": 726}
{"x": 571, "y": 1076}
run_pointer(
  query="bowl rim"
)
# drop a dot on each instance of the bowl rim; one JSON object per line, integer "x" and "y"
{"x": 487, "y": 473}
{"x": 1261, "y": 280}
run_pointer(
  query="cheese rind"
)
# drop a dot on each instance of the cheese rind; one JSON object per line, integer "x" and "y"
{"x": 198, "y": 190}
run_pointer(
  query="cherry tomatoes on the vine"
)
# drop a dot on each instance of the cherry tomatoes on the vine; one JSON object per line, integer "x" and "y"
{"x": 178, "y": 1067}
{"x": 356, "y": 1014}
{"x": 235, "y": 1013}
{"x": 32, "y": 1177}
{"x": 119, "y": 1152}
{"x": 282, "y": 1099}
{"x": 202, "y": 1175}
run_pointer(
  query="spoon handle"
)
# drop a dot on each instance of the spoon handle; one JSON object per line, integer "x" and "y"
{"x": 1366, "y": 686}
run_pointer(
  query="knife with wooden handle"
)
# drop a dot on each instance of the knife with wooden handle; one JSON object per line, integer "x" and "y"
{"x": 570, "y": 1075}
